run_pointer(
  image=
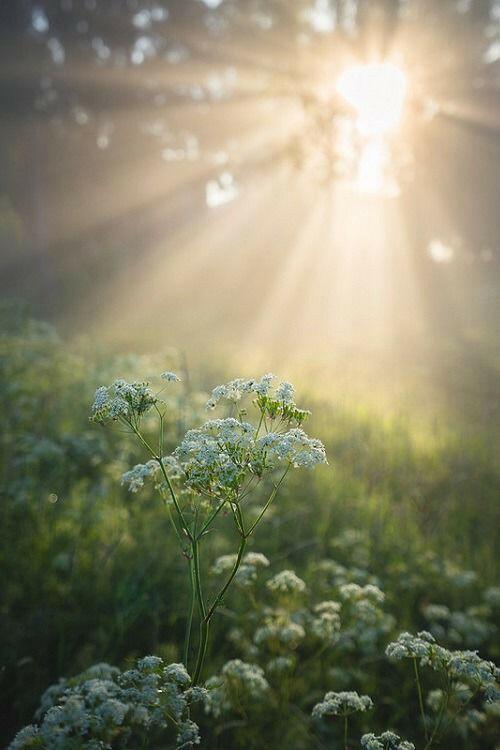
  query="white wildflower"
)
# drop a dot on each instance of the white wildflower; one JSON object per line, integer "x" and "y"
{"x": 279, "y": 630}
{"x": 385, "y": 741}
{"x": 341, "y": 704}
{"x": 257, "y": 559}
{"x": 121, "y": 400}
{"x": 294, "y": 447}
{"x": 170, "y": 377}
{"x": 178, "y": 673}
{"x": 354, "y": 592}
{"x": 149, "y": 662}
{"x": 135, "y": 477}
{"x": 492, "y": 596}
{"x": 239, "y": 683}
{"x": 285, "y": 392}
{"x": 188, "y": 734}
{"x": 325, "y": 626}
{"x": 280, "y": 664}
{"x": 328, "y": 606}
{"x": 435, "y": 699}
{"x": 26, "y": 738}
{"x": 286, "y": 582}
{"x": 436, "y": 612}
{"x": 263, "y": 386}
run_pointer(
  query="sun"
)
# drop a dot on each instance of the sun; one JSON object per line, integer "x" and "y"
{"x": 377, "y": 93}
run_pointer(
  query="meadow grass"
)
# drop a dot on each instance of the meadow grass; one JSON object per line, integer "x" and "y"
{"x": 92, "y": 573}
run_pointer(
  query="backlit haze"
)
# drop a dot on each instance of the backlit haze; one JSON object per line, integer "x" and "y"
{"x": 296, "y": 183}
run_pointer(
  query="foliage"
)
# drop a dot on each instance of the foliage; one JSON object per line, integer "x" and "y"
{"x": 349, "y": 561}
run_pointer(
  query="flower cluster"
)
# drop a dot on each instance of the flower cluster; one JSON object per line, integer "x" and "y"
{"x": 105, "y": 708}
{"x": 385, "y": 741}
{"x": 134, "y": 478}
{"x": 464, "y": 666}
{"x": 480, "y": 673}
{"x": 248, "y": 570}
{"x": 293, "y": 447}
{"x": 333, "y": 573}
{"x": 274, "y": 402}
{"x": 467, "y": 628}
{"x": 280, "y": 665}
{"x": 286, "y": 582}
{"x": 341, "y": 704}
{"x": 121, "y": 400}
{"x": 279, "y": 630}
{"x": 421, "y": 646}
{"x": 352, "y": 592}
{"x": 325, "y": 623}
{"x": 235, "y": 389}
{"x": 364, "y": 620}
{"x": 170, "y": 377}
{"x": 464, "y": 722}
{"x": 217, "y": 457}
{"x": 492, "y": 596}
{"x": 238, "y": 685}
{"x": 222, "y": 453}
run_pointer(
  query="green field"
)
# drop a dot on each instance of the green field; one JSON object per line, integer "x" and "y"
{"x": 93, "y": 573}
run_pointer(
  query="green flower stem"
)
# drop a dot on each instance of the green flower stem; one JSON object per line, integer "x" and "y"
{"x": 220, "y": 595}
{"x": 138, "y": 434}
{"x": 438, "y": 723}
{"x": 205, "y": 622}
{"x": 211, "y": 518}
{"x": 202, "y": 650}
{"x": 171, "y": 518}
{"x": 160, "y": 433}
{"x": 420, "y": 699}
{"x": 259, "y": 425}
{"x": 270, "y": 500}
{"x": 346, "y": 726}
{"x": 184, "y": 524}
{"x": 189, "y": 623}
{"x": 197, "y": 578}
{"x": 451, "y": 720}
{"x": 241, "y": 522}
{"x": 234, "y": 509}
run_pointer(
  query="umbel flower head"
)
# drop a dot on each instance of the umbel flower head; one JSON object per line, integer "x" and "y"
{"x": 104, "y": 707}
{"x": 385, "y": 741}
{"x": 341, "y": 704}
{"x": 219, "y": 456}
{"x": 125, "y": 401}
{"x": 286, "y": 582}
{"x": 276, "y": 402}
{"x": 248, "y": 570}
{"x": 121, "y": 400}
{"x": 464, "y": 666}
{"x": 238, "y": 685}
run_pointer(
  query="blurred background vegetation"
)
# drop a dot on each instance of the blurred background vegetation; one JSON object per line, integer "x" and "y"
{"x": 184, "y": 177}
{"x": 92, "y": 573}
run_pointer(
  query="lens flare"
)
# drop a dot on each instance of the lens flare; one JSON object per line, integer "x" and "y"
{"x": 377, "y": 93}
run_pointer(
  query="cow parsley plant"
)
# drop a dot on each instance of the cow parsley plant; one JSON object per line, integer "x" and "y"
{"x": 218, "y": 467}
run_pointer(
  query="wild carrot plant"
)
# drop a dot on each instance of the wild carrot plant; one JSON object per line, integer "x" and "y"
{"x": 218, "y": 467}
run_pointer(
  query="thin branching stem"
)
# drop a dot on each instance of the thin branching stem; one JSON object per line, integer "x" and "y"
{"x": 268, "y": 503}
{"x": 420, "y": 698}
{"x": 210, "y": 519}
{"x": 159, "y": 459}
{"x": 189, "y": 623}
